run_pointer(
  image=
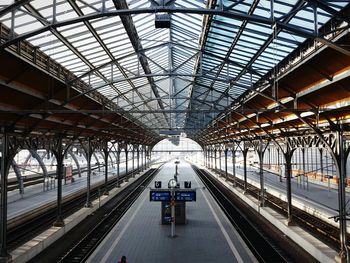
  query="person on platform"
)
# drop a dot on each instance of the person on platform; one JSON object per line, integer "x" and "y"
{"x": 123, "y": 260}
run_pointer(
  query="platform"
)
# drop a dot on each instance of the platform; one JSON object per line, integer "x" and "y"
{"x": 316, "y": 199}
{"x": 34, "y": 196}
{"x": 208, "y": 236}
{"x": 316, "y": 248}
{"x": 315, "y": 193}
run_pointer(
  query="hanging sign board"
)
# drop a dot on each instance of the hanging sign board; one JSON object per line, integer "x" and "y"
{"x": 187, "y": 196}
{"x": 159, "y": 195}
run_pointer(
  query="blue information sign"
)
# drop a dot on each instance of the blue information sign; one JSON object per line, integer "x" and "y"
{"x": 185, "y": 196}
{"x": 159, "y": 196}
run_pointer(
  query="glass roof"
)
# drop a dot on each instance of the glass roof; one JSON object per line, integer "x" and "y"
{"x": 167, "y": 78}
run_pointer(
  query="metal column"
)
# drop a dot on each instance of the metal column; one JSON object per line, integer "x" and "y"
{"x": 215, "y": 159}
{"x": 141, "y": 159}
{"x": 288, "y": 168}
{"x": 226, "y": 175}
{"x": 126, "y": 164}
{"x": 146, "y": 158}
{"x": 205, "y": 158}
{"x": 234, "y": 166}
{"x": 304, "y": 168}
{"x": 341, "y": 163}
{"x": 138, "y": 159}
{"x": 279, "y": 164}
{"x": 209, "y": 159}
{"x": 59, "y": 154}
{"x": 4, "y": 256}
{"x": 88, "y": 181}
{"x": 220, "y": 160}
{"x": 261, "y": 173}
{"x": 150, "y": 157}
{"x": 118, "y": 165}
{"x": 105, "y": 150}
{"x": 133, "y": 161}
{"x": 321, "y": 163}
{"x": 245, "y": 152}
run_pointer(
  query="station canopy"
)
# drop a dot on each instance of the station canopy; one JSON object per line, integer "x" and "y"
{"x": 177, "y": 78}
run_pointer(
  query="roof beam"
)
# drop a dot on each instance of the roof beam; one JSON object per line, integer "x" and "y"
{"x": 323, "y": 5}
{"x": 15, "y": 5}
{"x": 108, "y": 52}
{"x": 267, "y": 42}
{"x": 135, "y": 41}
{"x": 128, "y": 12}
{"x": 233, "y": 45}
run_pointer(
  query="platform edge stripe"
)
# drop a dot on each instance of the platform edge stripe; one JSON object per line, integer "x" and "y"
{"x": 111, "y": 248}
{"x": 226, "y": 235}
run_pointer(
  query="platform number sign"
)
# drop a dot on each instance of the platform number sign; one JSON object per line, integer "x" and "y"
{"x": 158, "y": 184}
{"x": 187, "y": 184}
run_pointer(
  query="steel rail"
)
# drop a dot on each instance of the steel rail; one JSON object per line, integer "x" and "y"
{"x": 81, "y": 251}
{"x": 316, "y": 226}
{"x": 22, "y": 233}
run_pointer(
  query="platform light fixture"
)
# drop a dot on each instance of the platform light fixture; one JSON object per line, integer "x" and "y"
{"x": 162, "y": 20}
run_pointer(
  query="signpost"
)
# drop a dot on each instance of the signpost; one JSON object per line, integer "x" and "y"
{"x": 171, "y": 198}
{"x": 172, "y": 184}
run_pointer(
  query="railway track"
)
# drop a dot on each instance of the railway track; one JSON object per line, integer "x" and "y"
{"x": 24, "y": 232}
{"x": 85, "y": 238}
{"x": 264, "y": 249}
{"x": 324, "y": 231}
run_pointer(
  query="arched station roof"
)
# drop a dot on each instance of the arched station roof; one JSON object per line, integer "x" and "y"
{"x": 223, "y": 70}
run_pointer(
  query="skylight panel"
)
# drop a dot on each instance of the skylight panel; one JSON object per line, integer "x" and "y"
{"x": 45, "y": 41}
{"x": 283, "y": 7}
{"x": 98, "y": 60}
{"x": 62, "y": 54}
{"x": 91, "y": 8}
{"x": 263, "y": 11}
{"x": 256, "y": 28}
{"x": 5, "y": 3}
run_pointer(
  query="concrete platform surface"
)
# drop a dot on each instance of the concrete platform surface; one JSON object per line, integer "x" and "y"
{"x": 309, "y": 243}
{"x": 37, "y": 197}
{"x": 208, "y": 236}
{"x": 316, "y": 199}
